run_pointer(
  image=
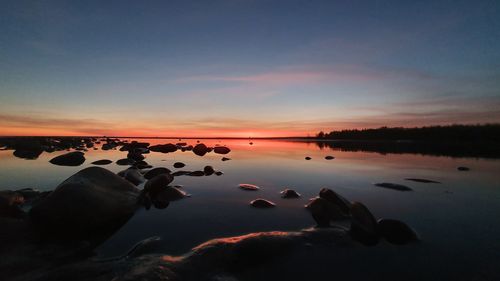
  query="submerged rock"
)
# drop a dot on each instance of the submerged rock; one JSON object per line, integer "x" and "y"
{"x": 396, "y": 232}
{"x": 363, "y": 225}
{"x": 421, "y": 180}
{"x": 262, "y": 203}
{"x": 394, "y": 186}
{"x": 289, "y": 193}
{"x": 222, "y": 150}
{"x": 102, "y": 162}
{"x": 463, "y": 169}
{"x": 246, "y": 186}
{"x": 85, "y": 205}
{"x": 156, "y": 171}
{"x": 75, "y": 158}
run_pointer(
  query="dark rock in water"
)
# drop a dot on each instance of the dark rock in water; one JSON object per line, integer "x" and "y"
{"x": 87, "y": 205}
{"x": 27, "y": 154}
{"x": 219, "y": 173}
{"x": 196, "y": 174}
{"x": 102, "y": 162}
{"x": 180, "y": 173}
{"x": 225, "y": 159}
{"x": 200, "y": 149}
{"x": 246, "y": 186}
{"x": 262, "y": 203}
{"x": 133, "y": 175}
{"x": 155, "y": 184}
{"x": 75, "y": 158}
{"x": 179, "y": 165}
{"x": 156, "y": 171}
{"x": 208, "y": 170}
{"x": 421, "y": 180}
{"x": 222, "y": 150}
{"x": 364, "y": 227}
{"x": 170, "y": 194}
{"x": 329, "y": 157}
{"x": 343, "y": 204}
{"x": 308, "y": 158}
{"x": 394, "y": 186}
{"x": 289, "y": 193}
{"x": 9, "y": 204}
{"x": 323, "y": 211}
{"x": 181, "y": 144}
{"x": 461, "y": 168}
{"x": 125, "y": 162}
{"x": 135, "y": 156}
{"x": 396, "y": 232}
{"x": 164, "y": 148}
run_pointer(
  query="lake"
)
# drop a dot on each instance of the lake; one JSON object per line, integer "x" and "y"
{"x": 457, "y": 219}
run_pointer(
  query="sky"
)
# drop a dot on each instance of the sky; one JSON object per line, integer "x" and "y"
{"x": 245, "y": 68}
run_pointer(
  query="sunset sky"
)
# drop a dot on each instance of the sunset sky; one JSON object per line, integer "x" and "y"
{"x": 242, "y": 68}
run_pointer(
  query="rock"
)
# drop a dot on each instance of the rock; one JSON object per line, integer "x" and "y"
{"x": 164, "y": 148}
{"x": 196, "y": 174}
{"x": 343, "y": 204}
{"x": 180, "y": 173}
{"x": 364, "y": 227}
{"x": 394, "y": 186}
{"x": 88, "y": 204}
{"x": 262, "y": 203}
{"x": 289, "y": 193}
{"x": 171, "y": 194}
{"x": 27, "y": 154}
{"x": 421, "y": 180}
{"x": 135, "y": 156}
{"x": 222, "y": 150}
{"x": 155, "y": 184}
{"x": 179, "y": 165}
{"x": 323, "y": 211}
{"x": 125, "y": 162}
{"x": 246, "y": 186}
{"x": 463, "y": 169}
{"x": 75, "y": 158}
{"x": 208, "y": 170}
{"x": 102, "y": 162}
{"x": 219, "y": 173}
{"x": 308, "y": 158}
{"x": 225, "y": 159}
{"x": 396, "y": 232}
{"x": 133, "y": 175}
{"x": 329, "y": 157}
{"x": 9, "y": 204}
{"x": 156, "y": 171}
{"x": 200, "y": 149}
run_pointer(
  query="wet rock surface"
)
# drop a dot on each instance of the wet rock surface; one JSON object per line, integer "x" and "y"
{"x": 75, "y": 158}
{"x": 246, "y": 186}
{"x": 289, "y": 193}
{"x": 262, "y": 203}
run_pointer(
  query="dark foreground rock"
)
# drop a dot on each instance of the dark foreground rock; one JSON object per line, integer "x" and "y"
{"x": 102, "y": 162}
{"x": 262, "y": 203}
{"x": 396, "y": 232}
{"x": 88, "y": 202}
{"x": 75, "y": 158}
{"x": 289, "y": 193}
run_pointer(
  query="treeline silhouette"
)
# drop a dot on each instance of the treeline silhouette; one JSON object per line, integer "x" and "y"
{"x": 455, "y": 133}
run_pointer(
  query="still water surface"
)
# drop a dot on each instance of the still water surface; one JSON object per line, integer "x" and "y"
{"x": 457, "y": 219}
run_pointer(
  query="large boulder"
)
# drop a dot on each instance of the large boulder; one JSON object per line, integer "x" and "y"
{"x": 88, "y": 203}
{"x": 200, "y": 149}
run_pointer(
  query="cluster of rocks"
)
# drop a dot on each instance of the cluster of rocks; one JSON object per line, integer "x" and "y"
{"x": 264, "y": 203}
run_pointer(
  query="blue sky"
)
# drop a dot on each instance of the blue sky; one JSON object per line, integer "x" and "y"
{"x": 245, "y": 67}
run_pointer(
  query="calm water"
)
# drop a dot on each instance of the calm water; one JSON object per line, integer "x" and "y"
{"x": 457, "y": 220}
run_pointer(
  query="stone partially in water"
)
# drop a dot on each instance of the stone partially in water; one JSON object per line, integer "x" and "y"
{"x": 323, "y": 211}
{"x": 27, "y": 154}
{"x": 222, "y": 150}
{"x": 208, "y": 170}
{"x": 363, "y": 225}
{"x": 343, "y": 204}
{"x": 156, "y": 171}
{"x": 200, "y": 149}
{"x": 396, "y": 232}
{"x": 463, "y": 169}
{"x": 225, "y": 159}
{"x": 421, "y": 180}
{"x": 85, "y": 205}
{"x": 157, "y": 183}
{"x": 329, "y": 157}
{"x": 75, "y": 158}
{"x": 125, "y": 162}
{"x": 133, "y": 175}
{"x": 246, "y": 186}
{"x": 196, "y": 174}
{"x": 394, "y": 186}
{"x": 262, "y": 203}
{"x": 179, "y": 165}
{"x": 164, "y": 148}
{"x": 102, "y": 162}
{"x": 289, "y": 193}
{"x": 308, "y": 158}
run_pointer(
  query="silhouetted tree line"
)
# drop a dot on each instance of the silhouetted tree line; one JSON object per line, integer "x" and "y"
{"x": 467, "y": 133}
